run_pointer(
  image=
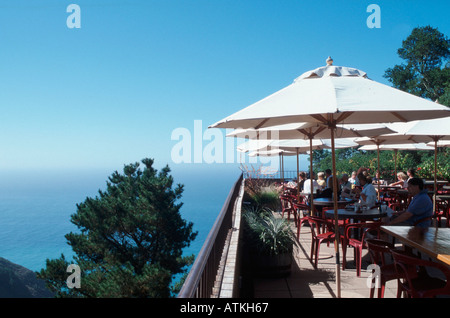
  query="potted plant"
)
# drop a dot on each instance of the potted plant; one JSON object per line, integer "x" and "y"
{"x": 270, "y": 243}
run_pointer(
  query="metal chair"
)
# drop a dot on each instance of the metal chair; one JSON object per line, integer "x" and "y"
{"x": 318, "y": 238}
{"x": 358, "y": 243}
{"x": 379, "y": 250}
{"x": 419, "y": 284}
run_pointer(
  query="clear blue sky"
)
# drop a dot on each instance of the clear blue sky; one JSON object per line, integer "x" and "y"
{"x": 113, "y": 91}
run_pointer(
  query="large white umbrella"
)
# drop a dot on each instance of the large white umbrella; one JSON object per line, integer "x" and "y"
{"x": 266, "y": 147}
{"x": 298, "y": 132}
{"x": 389, "y": 139}
{"x": 329, "y": 96}
{"x": 396, "y": 148}
{"x": 433, "y": 130}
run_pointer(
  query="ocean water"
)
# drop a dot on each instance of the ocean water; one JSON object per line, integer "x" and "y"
{"x": 35, "y": 208}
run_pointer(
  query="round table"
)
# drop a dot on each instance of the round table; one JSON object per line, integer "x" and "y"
{"x": 351, "y": 214}
{"x": 330, "y": 201}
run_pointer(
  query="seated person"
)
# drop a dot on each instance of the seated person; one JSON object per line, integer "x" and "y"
{"x": 307, "y": 186}
{"x": 368, "y": 194}
{"x": 301, "y": 178}
{"x": 353, "y": 178}
{"x": 344, "y": 182}
{"x": 402, "y": 180}
{"x": 321, "y": 181}
{"x": 419, "y": 210}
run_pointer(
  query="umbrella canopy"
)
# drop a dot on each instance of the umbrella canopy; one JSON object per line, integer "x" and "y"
{"x": 334, "y": 95}
{"x": 430, "y": 130}
{"x": 434, "y": 130}
{"x": 418, "y": 146}
{"x": 302, "y": 145}
{"x": 329, "y": 96}
{"x": 302, "y": 131}
{"x": 396, "y": 148}
{"x": 271, "y": 152}
{"x": 440, "y": 143}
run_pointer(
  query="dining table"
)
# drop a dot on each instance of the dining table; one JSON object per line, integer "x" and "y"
{"x": 330, "y": 201}
{"x": 344, "y": 214}
{"x": 433, "y": 241}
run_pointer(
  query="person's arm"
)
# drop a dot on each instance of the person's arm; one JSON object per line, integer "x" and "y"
{"x": 401, "y": 218}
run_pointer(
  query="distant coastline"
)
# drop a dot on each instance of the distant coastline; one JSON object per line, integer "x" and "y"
{"x": 17, "y": 281}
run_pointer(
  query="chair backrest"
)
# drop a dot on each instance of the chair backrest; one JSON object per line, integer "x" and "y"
{"x": 316, "y": 223}
{"x": 365, "y": 226}
{"x": 407, "y": 265}
{"x": 286, "y": 201}
{"x": 301, "y": 206}
{"x": 378, "y": 250}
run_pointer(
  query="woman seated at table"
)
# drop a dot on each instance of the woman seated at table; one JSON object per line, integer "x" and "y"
{"x": 321, "y": 180}
{"x": 402, "y": 180}
{"x": 368, "y": 194}
{"x": 420, "y": 209}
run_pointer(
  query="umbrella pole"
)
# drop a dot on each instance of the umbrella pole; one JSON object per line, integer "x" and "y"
{"x": 395, "y": 163}
{"x": 281, "y": 168}
{"x": 378, "y": 162}
{"x": 310, "y": 176}
{"x": 435, "y": 175}
{"x": 336, "y": 225}
{"x": 298, "y": 181}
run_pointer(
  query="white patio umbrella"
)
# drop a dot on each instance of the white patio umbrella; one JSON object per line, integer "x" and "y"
{"x": 329, "y": 96}
{"x": 297, "y": 131}
{"x": 440, "y": 143}
{"x": 271, "y": 153}
{"x": 384, "y": 140}
{"x": 434, "y": 130}
{"x": 301, "y": 131}
{"x": 290, "y": 145}
{"x": 396, "y": 148}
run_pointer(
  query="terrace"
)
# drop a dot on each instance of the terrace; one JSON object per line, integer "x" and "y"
{"x": 219, "y": 272}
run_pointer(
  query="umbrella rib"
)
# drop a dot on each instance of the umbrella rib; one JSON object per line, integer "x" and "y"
{"x": 343, "y": 116}
{"x": 399, "y": 116}
{"x": 320, "y": 118}
{"x": 262, "y": 123}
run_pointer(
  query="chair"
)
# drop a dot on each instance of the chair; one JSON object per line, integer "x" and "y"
{"x": 416, "y": 281}
{"x": 418, "y": 284}
{"x": 287, "y": 205}
{"x": 378, "y": 250}
{"x": 357, "y": 243}
{"x": 341, "y": 223}
{"x": 441, "y": 211}
{"x": 318, "y": 238}
{"x": 301, "y": 209}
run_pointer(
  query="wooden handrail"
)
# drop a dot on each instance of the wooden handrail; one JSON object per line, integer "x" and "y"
{"x": 201, "y": 278}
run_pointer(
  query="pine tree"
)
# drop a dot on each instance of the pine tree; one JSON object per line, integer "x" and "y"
{"x": 130, "y": 240}
{"x": 426, "y": 71}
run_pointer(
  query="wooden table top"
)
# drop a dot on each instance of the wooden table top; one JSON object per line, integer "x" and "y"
{"x": 433, "y": 241}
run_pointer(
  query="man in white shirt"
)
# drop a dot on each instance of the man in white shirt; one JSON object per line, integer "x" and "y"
{"x": 307, "y": 186}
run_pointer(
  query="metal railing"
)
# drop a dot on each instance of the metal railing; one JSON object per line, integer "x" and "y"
{"x": 286, "y": 175}
{"x": 201, "y": 278}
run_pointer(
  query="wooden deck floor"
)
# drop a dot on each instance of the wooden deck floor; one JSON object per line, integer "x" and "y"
{"x": 306, "y": 281}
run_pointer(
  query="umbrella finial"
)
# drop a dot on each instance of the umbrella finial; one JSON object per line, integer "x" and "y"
{"x": 329, "y": 61}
